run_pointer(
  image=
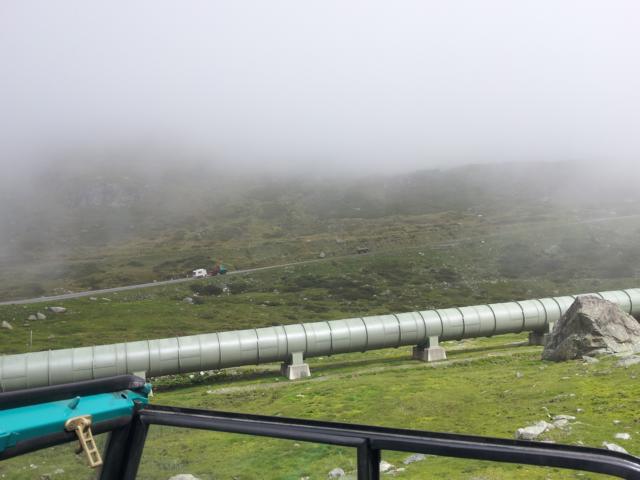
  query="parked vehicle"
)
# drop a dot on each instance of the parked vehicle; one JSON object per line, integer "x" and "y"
{"x": 218, "y": 269}
{"x": 200, "y": 273}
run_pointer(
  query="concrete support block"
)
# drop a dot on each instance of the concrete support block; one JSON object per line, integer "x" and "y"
{"x": 431, "y": 352}
{"x": 537, "y": 338}
{"x": 295, "y": 368}
{"x": 540, "y": 338}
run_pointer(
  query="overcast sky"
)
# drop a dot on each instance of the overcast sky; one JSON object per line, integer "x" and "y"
{"x": 373, "y": 85}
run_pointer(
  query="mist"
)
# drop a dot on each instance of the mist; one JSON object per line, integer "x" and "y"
{"x": 320, "y": 87}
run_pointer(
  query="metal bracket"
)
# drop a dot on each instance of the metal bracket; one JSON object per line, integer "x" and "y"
{"x": 82, "y": 426}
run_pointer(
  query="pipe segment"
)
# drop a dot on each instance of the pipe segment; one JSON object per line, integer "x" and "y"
{"x": 272, "y": 344}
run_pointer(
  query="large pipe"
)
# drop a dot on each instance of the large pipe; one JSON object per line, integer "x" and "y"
{"x": 262, "y": 345}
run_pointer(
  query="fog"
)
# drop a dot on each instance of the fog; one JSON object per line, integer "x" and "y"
{"x": 323, "y": 86}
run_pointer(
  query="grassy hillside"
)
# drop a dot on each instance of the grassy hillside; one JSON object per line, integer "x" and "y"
{"x": 86, "y": 227}
{"x": 519, "y": 264}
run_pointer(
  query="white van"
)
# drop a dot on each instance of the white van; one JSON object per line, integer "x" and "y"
{"x": 200, "y": 273}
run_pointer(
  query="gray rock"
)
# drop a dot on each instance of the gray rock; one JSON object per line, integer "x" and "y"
{"x": 336, "y": 473}
{"x": 592, "y": 326}
{"x": 57, "y": 309}
{"x": 32, "y": 318}
{"x": 188, "y": 300}
{"x": 562, "y": 421}
{"x": 93, "y": 299}
{"x": 322, "y": 255}
{"x": 416, "y": 457}
{"x": 7, "y": 325}
{"x": 588, "y": 359}
{"x": 628, "y": 361}
{"x": 184, "y": 476}
{"x": 41, "y": 316}
{"x": 569, "y": 418}
{"x": 533, "y": 431}
{"x": 386, "y": 466}
{"x": 613, "y": 447}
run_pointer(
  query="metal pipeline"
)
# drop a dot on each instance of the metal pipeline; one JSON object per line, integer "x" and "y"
{"x": 271, "y": 344}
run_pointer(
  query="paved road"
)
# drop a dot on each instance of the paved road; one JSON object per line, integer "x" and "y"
{"x": 95, "y": 293}
{"x": 451, "y": 243}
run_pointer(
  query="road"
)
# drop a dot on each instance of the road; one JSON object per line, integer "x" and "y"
{"x": 451, "y": 243}
{"x": 102, "y": 291}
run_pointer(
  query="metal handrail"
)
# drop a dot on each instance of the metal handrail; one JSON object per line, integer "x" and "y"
{"x": 368, "y": 440}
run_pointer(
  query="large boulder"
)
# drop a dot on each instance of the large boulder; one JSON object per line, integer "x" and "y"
{"x": 592, "y": 326}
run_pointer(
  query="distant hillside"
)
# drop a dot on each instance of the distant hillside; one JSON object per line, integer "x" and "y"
{"x": 96, "y": 224}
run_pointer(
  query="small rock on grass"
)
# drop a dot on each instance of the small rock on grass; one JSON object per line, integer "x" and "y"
{"x": 623, "y": 436}
{"x": 7, "y": 325}
{"x": 416, "y": 457}
{"x": 385, "y": 466}
{"x": 532, "y": 432}
{"x": 336, "y": 473}
{"x": 613, "y": 447}
{"x": 628, "y": 361}
{"x": 588, "y": 359}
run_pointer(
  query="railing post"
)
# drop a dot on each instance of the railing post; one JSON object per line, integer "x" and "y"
{"x": 124, "y": 451}
{"x": 368, "y": 462}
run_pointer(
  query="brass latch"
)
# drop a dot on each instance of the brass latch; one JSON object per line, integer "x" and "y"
{"x": 82, "y": 426}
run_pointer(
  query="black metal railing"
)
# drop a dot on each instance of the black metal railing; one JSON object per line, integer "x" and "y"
{"x": 125, "y": 448}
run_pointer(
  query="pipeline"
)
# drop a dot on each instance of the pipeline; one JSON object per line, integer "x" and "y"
{"x": 271, "y": 344}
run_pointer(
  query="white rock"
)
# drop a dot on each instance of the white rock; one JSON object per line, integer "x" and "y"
{"x": 184, "y": 476}
{"x": 41, "y": 316}
{"x": 613, "y": 447}
{"x": 569, "y": 418}
{"x": 7, "y": 325}
{"x": 385, "y": 466}
{"x": 588, "y": 359}
{"x": 533, "y": 431}
{"x": 93, "y": 299}
{"x": 623, "y": 436}
{"x": 628, "y": 361}
{"x": 187, "y": 300}
{"x": 32, "y": 318}
{"x": 57, "y": 309}
{"x": 416, "y": 457}
{"x": 336, "y": 473}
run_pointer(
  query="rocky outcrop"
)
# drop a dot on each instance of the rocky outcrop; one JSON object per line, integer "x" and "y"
{"x": 592, "y": 326}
